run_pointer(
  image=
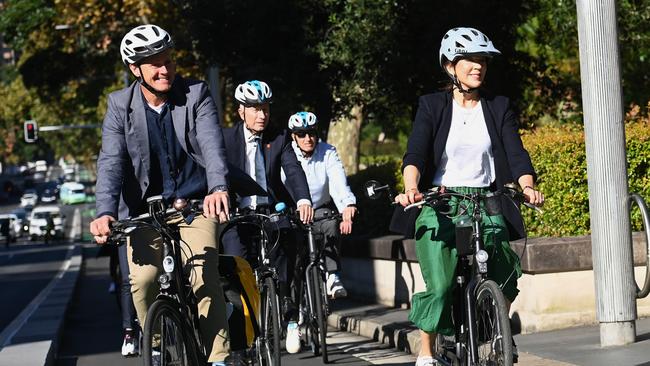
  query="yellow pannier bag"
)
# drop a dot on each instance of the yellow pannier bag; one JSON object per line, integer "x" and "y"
{"x": 240, "y": 290}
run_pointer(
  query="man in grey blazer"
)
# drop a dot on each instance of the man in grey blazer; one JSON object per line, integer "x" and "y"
{"x": 161, "y": 136}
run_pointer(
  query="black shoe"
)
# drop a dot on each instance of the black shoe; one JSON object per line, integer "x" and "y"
{"x": 515, "y": 352}
{"x": 289, "y": 310}
{"x": 237, "y": 358}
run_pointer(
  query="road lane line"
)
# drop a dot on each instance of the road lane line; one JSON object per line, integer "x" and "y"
{"x": 13, "y": 328}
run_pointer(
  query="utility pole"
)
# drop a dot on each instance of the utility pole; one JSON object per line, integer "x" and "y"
{"x": 611, "y": 238}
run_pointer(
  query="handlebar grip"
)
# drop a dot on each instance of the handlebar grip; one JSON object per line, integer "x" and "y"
{"x": 418, "y": 197}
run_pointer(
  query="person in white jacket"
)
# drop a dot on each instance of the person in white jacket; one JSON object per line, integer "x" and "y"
{"x": 329, "y": 191}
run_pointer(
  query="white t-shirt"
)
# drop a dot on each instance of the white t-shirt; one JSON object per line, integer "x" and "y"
{"x": 467, "y": 160}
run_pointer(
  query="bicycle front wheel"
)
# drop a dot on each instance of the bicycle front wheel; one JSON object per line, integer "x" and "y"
{"x": 167, "y": 338}
{"x": 320, "y": 304}
{"x": 493, "y": 325}
{"x": 268, "y": 343}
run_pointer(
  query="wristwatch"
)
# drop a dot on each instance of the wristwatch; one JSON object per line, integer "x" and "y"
{"x": 219, "y": 188}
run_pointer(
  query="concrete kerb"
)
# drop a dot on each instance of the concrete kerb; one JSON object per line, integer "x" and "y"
{"x": 377, "y": 322}
{"x": 33, "y": 337}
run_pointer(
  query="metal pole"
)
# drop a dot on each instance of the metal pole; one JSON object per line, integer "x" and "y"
{"x": 606, "y": 170}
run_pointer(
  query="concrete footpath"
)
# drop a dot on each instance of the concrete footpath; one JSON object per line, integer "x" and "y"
{"x": 573, "y": 346}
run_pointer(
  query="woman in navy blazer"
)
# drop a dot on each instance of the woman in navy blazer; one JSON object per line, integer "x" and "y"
{"x": 467, "y": 141}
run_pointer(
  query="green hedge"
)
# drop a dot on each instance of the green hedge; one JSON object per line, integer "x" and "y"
{"x": 559, "y": 157}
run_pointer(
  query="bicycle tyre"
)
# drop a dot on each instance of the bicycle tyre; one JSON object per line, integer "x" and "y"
{"x": 176, "y": 340}
{"x": 269, "y": 350}
{"x": 320, "y": 302}
{"x": 493, "y": 326}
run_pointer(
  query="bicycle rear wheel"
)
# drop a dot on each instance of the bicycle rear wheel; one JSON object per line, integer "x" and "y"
{"x": 268, "y": 343}
{"x": 493, "y": 325}
{"x": 167, "y": 335}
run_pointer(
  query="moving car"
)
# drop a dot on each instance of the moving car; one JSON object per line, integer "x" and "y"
{"x": 7, "y": 229}
{"x": 29, "y": 198}
{"x": 38, "y": 221}
{"x": 48, "y": 196}
{"x": 72, "y": 192}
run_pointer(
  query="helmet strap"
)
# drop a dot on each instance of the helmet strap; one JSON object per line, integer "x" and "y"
{"x": 459, "y": 86}
{"x": 153, "y": 91}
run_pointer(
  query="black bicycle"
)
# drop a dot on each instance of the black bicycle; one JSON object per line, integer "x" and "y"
{"x": 267, "y": 351}
{"x": 171, "y": 333}
{"x": 480, "y": 311}
{"x": 314, "y": 303}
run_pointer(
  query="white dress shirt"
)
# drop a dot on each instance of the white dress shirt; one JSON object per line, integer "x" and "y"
{"x": 325, "y": 176}
{"x": 254, "y": 168}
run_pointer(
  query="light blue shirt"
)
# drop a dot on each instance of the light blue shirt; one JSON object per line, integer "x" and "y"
{"x": 325, "y": 176}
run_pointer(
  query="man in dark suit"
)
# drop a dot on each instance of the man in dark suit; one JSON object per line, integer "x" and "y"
{"x": 260, "y": 151}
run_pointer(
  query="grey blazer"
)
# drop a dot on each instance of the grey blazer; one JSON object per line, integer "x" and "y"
{"x": 124, "y": 161}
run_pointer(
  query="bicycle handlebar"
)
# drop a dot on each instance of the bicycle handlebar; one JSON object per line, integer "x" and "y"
{"x": 434, "y": 195}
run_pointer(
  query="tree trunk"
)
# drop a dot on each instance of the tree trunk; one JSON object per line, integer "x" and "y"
{"x": 344, "y": 134}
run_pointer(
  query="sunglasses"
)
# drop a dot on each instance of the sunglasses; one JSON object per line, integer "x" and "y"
{"x": 302, "y": 134}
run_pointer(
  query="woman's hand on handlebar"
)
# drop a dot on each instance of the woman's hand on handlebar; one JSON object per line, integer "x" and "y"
{"x": 410, "y": 196}
{"x": 100, "y": 228}
{"x": 533, "y": 196}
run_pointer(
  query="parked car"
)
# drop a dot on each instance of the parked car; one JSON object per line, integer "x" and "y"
{"x": 72, "y": 192}
{"x": 38, "y": 221}
{"x": 29, "y": 198}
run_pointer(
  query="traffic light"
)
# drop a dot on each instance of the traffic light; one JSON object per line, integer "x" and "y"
{"x": 31, "y": 131}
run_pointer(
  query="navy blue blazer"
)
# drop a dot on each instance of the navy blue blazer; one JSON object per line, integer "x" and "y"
{"x": 427, "y": 142}
{"x": 278, "y": 153}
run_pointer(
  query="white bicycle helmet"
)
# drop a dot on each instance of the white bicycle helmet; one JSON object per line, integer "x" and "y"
{"x": 253, "y": 92}
{"x": 144, "y": 41}
{"x": 463, "y": 41}
{"x": 302, "y": 121}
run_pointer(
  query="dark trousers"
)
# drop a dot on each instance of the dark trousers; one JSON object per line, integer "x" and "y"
{"x": 241, "y": 240}
{"x": 126, "y": 300}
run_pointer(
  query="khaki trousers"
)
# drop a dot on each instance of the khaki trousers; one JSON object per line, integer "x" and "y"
{"x": 144, "y": 250}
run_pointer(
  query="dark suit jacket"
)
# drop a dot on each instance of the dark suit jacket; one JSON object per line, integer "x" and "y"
{"x": 278, "y": 153}
{"x": 427, "y": 143}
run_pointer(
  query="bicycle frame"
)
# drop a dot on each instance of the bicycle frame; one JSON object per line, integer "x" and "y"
{"x": 173, "y": 283}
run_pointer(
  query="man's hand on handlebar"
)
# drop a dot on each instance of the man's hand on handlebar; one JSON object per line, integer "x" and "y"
{"x": 100, "y": 228}
{"x": 216, "y": 205}
{"x": 306, "y": 213}
{"x": 347, "y": 215}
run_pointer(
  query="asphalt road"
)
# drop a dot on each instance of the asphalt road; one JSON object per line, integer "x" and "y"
{"x": 25, "y": 269}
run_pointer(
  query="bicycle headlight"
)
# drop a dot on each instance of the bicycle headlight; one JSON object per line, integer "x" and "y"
{"x": 168, "y": 264}
{"x": 482, "y": 256}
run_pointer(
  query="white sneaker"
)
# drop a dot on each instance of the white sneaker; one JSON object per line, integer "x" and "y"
{"x": 292, "y": 342}
{"x": 426, "y": 361}
{"x": 335, "y": 287}
{"x": 130, "y": 344}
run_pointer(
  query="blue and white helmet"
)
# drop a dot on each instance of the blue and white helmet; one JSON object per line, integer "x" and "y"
{"x": 463, "y": 41}
{"x": 303, "y": 121}
{"x": 144, "y": 41}
{"x": 253, "y": 92}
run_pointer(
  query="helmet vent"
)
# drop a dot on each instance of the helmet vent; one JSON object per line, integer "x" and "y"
{"x": 142, "y": 37}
